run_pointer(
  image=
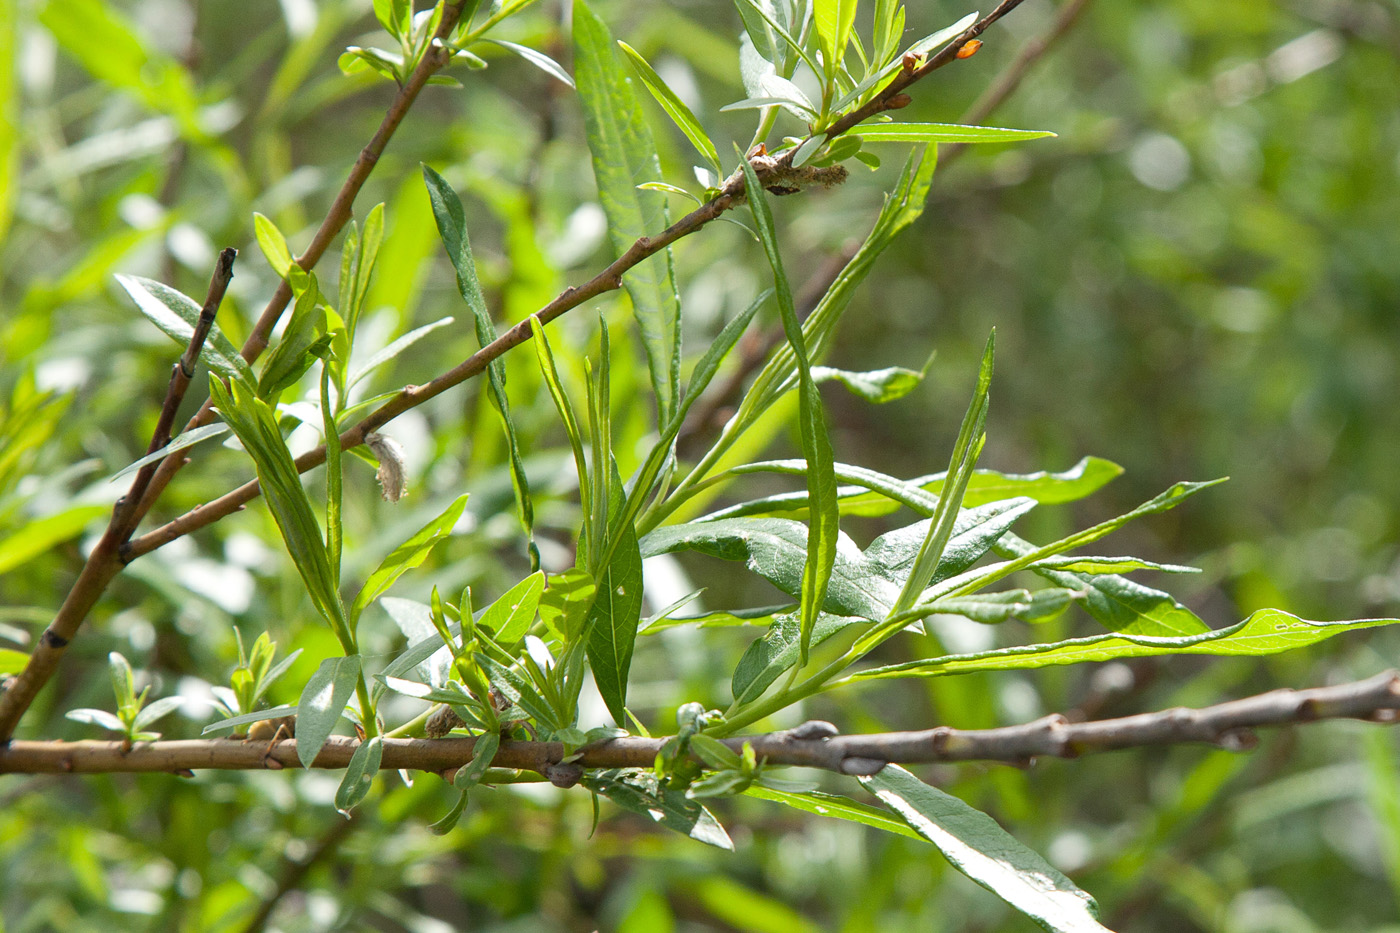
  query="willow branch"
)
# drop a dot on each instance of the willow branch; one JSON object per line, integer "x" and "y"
{"x": 113, "y": 552}
{"x": 1013, "y": 74}
{"x": 815, "y": 744}
{"x": 731, "y": 195}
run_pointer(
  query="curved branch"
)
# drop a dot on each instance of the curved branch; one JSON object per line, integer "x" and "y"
{"x": 814, "y": 744}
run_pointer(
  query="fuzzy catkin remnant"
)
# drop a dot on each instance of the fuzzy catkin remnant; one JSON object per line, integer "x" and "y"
{"x": 392, "y": 474}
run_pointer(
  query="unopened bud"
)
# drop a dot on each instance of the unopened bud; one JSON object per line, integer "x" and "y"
{"x": 969, "y": 48}
{"x": 898, "y": 102}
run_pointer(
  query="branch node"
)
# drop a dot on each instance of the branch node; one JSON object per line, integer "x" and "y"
{"x": 862, "y": 767}
{"x": 564, "y": 774}
{"x": 1238, "y": 740}
{"x": 812, "y": 730}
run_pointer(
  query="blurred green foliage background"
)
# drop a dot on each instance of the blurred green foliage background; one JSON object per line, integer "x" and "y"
{"x": 1199, "y": 277}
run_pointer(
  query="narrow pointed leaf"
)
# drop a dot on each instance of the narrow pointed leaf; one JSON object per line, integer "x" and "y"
{"x": 617, "y": 610}
{"x": 675, "y": 108}
{"x": 537, "y": 58}
{"x": 1268, "y": 631}
{"x": 824, "y": 531}
{"x": 226, "y": 726}
{"x": 624, "y": 156}
{"x": 944, "y": 133}
{"x": 834, "y": 805}
{"x": 510, "y": 616}
{"x": 989, "y": 855}
{"x": 184, "y": 439}
{"x": 177, "y": 314}
{"x": 407, "y": 556}
{"x": 452, "y": 227}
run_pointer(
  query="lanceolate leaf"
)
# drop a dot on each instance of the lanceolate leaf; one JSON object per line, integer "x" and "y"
{"x": 864, "y": 585}
{"x": 989, "y": 855}
{"x": 822, "y": 538}
{"x": 834, "y": 805}
{"x": 177, "y": 314}
{"x": 1268, "y": 631}
{"x": 617, "y": 609}
{"x": 779, "y": 649}
{"x": 537, "y": 58}
{"x": 322, "y": 702}
{"x": 878, "y": 386}
{"x": 640, "y": 792}
{"x": 510, "y": 616}
{"x": 452, "y": 226}
{"x": 674, "y": 107}
{"x": 878, "y": 494}
{"x": 1119, "y": 604}
{"x": 624, "y": 156}
{"x": 944, "y": 133}
{"x": 408, "y": 555}
{"x": 256, "y": 426}
{"x": 359, "y": 775}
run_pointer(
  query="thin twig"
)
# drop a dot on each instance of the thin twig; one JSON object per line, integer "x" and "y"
{"x": 112, "y": 552}
{"x": 105, "y": 561}
{"x": 1013, "y": 74}
{"x": 814, "y": 744}
{"x": 731, "y": 195}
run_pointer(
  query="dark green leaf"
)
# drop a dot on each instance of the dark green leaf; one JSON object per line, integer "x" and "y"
{"x": 624, "y": 156}
{"x": 640, "y": 792}
{"x": 359, "y": 775}
{"x": 617, "y": 609}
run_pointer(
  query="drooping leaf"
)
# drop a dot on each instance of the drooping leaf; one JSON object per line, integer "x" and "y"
{"x": 395, "y": 348}
{"x": 1268, "y": 631}
{"x": 359, "y": 775}
{"x": 537, "y": 58}
{"x": 624, "y": 156}
{"x": 989, "y": 855}
{"x": 470, "y": 775}
{"x": 226, "y": 726}
{"x": 834, "y": 805}
{"x": 176, "y": 314}
{"x": 641, "y": 792}
{"x": 322, "y": 703}
{"x": 184, "y": 439}
{"x": 878, "y": 386}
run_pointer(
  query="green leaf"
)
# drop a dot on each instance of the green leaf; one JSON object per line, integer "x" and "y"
{"x": 157, "y": 711}
{"x": 675, "y": 107}
{"x": 42, "y": 535}
{"x": 966, "y": 449}
{"x": 979, "y": 848}
{"x": 273, "y": 245}
{"x": 510, "y": 616}
{"x": 944, "y": 133}
{"x": 834, "y": 19}
{"x": 452, "y": 227}
{"x": 407, "y": 556}
{"x": 544, "y": 354}
{"x": 184, "y": 439}
{"x": 878, "y": 386}
{"x": 1105, "y": 565}
{"x": 469, "y": 775}
{"x": 537, "y": 58}
{"x": 823, "y": 537}
{"x": 922, "y": 47}
{"x": 767, "y": 657}
{"x": 640, "y": 792}
{"x": 226, "y": 726}
{"x": 617, "y": 609}
{"x": 566, "y": 601}
{"x": 397, "y": 347}
{"x": 322, "y": 703}
{"x": 865, "y": 584}
{"x": 177, "y": 314}
{"x": 12, "y": 661}
{"x": 445, "y": 825}
{"x": 96, "y": 717}
{"x": 359, "y": 775}
{"x": 255, "y": 425}
{"x": 834, "y": 805}
{"x": 303, "y": 338}
{"x": 1268, "y": 631}
{"x": 624, "y": 156}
